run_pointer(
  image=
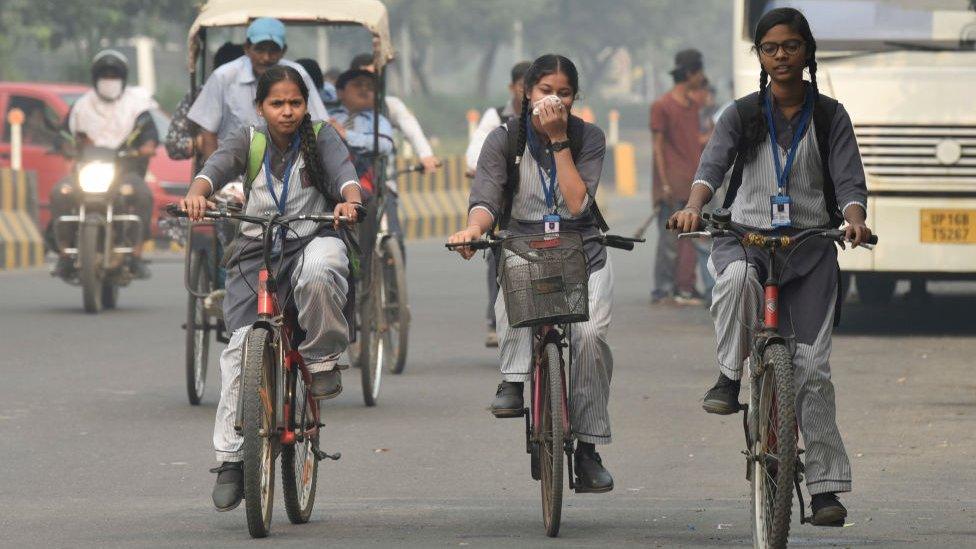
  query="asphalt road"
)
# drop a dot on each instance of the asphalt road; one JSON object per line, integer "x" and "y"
{"x": 99, "y": 447}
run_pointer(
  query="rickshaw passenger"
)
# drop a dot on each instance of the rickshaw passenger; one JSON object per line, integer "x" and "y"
{"x": 226, "y": 102}
{"x": 354, "y": 118}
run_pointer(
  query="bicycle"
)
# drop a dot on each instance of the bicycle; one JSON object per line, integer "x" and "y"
{"x": 276, "y": 414}
{"x": 548, "y": 292}
{"x": 773, "y": 465}
{"x": 202, "y": 276}
{"x": 384, "y": 315}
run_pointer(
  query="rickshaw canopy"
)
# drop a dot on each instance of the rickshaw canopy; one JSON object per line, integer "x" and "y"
{"x": 370, "y": 14}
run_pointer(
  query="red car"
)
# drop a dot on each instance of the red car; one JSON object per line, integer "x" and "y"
{"x": 45, "y": 107}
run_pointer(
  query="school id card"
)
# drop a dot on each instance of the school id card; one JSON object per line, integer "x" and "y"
{"x": 779, "y": 207}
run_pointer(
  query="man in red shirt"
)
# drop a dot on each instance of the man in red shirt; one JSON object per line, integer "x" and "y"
{"x": 677, "y": 139}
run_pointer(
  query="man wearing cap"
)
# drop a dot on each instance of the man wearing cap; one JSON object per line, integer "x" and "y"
{"x": 677, "y": 140}
{"x": 226, "y": 101}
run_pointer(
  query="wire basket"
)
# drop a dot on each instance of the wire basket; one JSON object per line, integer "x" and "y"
{"x": 545, "y": 279}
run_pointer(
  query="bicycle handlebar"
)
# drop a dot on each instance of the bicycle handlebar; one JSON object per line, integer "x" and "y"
{"x": 274, "y": 219}
{"x": 609, "y": 240}
{"x": 750, "y": 237}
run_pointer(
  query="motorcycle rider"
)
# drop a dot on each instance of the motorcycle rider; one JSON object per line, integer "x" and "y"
{"x": 114, "y": 116}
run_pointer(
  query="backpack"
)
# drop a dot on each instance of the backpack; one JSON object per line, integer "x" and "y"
{"x": 575, "y": 133}
{"x": 255, "y": 158}
{"x": 823, "y": 114}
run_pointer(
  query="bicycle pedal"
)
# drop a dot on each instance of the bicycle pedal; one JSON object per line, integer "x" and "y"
{"x": 341, "y": 367}
{"x": 320, "y": 455}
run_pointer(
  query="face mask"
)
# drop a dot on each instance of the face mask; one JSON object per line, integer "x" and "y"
{"x": 109, "y": 88}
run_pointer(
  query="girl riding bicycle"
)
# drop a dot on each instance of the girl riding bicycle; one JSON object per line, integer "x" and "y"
{"x": 556, "y": 183}
{"x": 795, "y": 165}
{"x": 304, "y": 168}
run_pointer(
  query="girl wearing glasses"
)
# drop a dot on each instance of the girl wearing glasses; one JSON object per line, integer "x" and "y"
{"x": 795, "y": 166}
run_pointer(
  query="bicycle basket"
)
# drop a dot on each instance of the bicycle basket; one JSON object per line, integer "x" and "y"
{"x": 544, "y": 279}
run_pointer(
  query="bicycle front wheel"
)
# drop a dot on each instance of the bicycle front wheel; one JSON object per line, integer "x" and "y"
{"x": 375, "y": 344}
{"x": 773, "y": 430}
{"x": 260, "y": 434}
{"x": 299, "y": 465}
{"x": 396, "y": 309}
{"x": 197, "y": 330}
{"x": 551, "y": 443}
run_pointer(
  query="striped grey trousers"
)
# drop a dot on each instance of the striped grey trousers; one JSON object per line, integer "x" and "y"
{"x": 592, "y": 368}
{"x": 737, "y": 300}
{"x": 320, "y": 296}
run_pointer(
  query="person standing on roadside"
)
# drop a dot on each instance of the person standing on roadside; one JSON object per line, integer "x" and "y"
{"x": 677, "y": 142}
{"x": 491, "y": 119}
{"x": 226, "y": 101}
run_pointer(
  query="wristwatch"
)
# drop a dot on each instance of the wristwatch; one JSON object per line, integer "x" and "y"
{"x": 559, "y": 145}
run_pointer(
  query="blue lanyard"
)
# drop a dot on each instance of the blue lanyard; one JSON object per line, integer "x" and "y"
{"x": 292, "y": 153}
{"x": 550, "y": 189}
{"x": 783, "y": 173}
{"x": 289, "y": 164}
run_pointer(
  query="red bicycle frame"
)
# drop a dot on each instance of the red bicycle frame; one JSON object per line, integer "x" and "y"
{"x": 268, "y": 311}
{"x": 543, "y": 337}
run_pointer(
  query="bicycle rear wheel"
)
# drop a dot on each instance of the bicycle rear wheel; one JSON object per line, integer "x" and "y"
{"x": 551, "y": 444}
{"x": 197, "y": 330}
{"x": 260, "y": 434}
{"x": 299, "y": 465}
{"x": 772, "y": 418}
{"x": 374, "y": 346}
{"x": 396, "y": 309}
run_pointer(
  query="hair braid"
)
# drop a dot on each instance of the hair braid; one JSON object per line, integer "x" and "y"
{"x": 812, "y": 65}
{"x": 310, "y": 152}
{"x": 755, "y": 129}
{"x": 522, "y": 128}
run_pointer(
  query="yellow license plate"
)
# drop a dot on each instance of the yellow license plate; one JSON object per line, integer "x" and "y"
{"x": 948, "y": 226}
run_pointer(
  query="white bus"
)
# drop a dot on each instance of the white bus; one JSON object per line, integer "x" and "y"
{"x": 906, "y": 72}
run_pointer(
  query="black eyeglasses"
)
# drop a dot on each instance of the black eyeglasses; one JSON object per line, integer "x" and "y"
{"x": 791, "y": 47}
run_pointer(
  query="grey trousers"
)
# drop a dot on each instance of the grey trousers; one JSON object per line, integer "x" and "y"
{"x": 737, "y": 300}
{"x": 320, "y": 296}
{"x": 589, "y": 378}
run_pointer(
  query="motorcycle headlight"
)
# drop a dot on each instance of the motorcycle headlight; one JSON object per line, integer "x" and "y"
{"x": 96, "y": 177}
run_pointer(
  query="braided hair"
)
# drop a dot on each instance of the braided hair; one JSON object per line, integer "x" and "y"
{"x": 755, "y": 129}
{"x": 543, "y": 66}
{"x": 306, "y": 131}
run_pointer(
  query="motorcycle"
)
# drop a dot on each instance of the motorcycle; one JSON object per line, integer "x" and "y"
{"x": 103, "y": 235}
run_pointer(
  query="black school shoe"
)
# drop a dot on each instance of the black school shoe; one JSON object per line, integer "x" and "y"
{"x": 591, "y": 476}
{"x": 229, "y": 488}
{"x": 827, "y": 510}
{"x": 723, "y": 397}
{"x": 508, "y": 400}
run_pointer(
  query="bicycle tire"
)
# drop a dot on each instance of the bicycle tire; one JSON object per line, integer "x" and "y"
{"x": 197, "y": 330}
{"x": 110, "y": 295}
{"x": 397, "y": 306}
{"x": 89, "y": 267}
{"x": 373, "y": 346}
{"x": 551, "y": 445}
{"x": 299, "y": 458}
{"x": 258, "y": 397}
{"x": 774, "y": 449}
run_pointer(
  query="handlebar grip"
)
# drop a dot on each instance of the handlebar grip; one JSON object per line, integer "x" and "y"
{"x": 475, "y": 245}
{"x": 873, "y": 240}
{"x": 621, "y": 242}
{"x": 175, "y": 211}
{"x": 620, "y": 245}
